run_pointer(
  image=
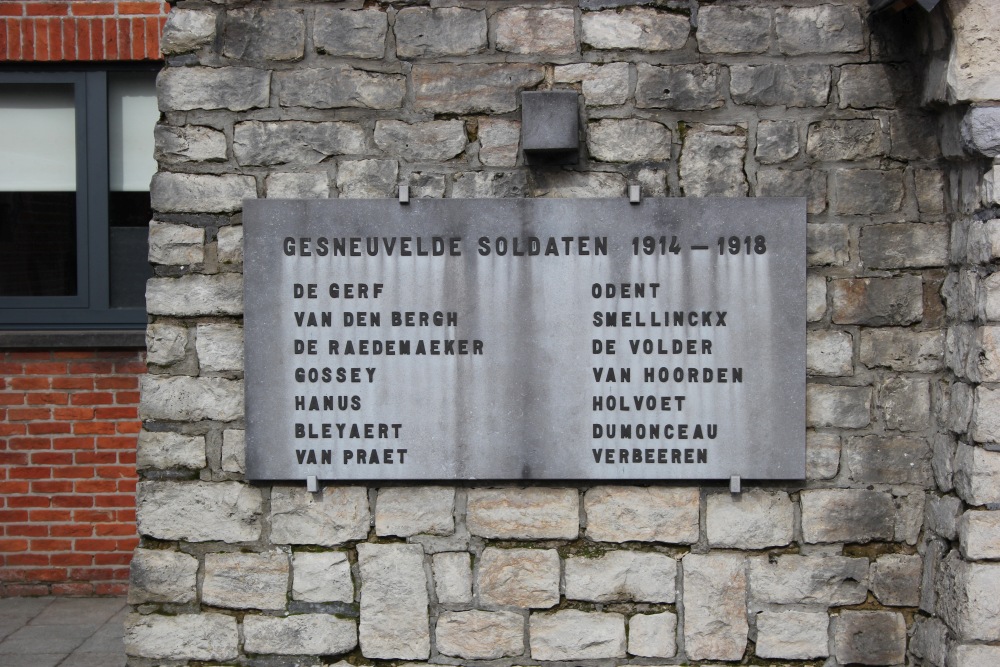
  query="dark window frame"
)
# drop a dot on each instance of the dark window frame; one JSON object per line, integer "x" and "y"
{"x": 90, "y": 309}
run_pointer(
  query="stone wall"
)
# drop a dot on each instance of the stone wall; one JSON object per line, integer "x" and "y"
{"x": 686, "y": 98}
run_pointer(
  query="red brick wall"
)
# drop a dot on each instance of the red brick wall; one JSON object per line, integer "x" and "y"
{"x": 68, "y": 428}
{"x": 33, "y": 30}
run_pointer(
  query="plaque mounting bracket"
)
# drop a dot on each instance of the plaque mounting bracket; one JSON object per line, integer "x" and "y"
{"x": 635, "y": 194}
{"x": 404, "y": 194}
{"x": 312, "y": 484}
{"x": 735, "y": 484}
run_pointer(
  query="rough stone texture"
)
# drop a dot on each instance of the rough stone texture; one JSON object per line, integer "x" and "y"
{"x": 424, "y": 185}
{"x": 822, "y": 29}
{"x": 723, "y": 29}
{"x": 621, "y": 576}
{"x": 602, "y": 85}
{"x": 977, "y": 472}
{"x": 264, "y": 34}
{"x": 406, "y": 511}
{"x": 715, "y": 615}
{"x": 290, "y": 185}
{"x": 711, "y": 163}
{"x": 528, "y": 513}
{"x": 630, "y": 140}
{"x": 195, "y": 294}
{"x": 801, "y": 183}
{"x": 233, "y": 451}
{"x": 829, "y": 581}
{"x": 780, "y": 85}
{"x": 679, "y": 87}
{"x": 981, "y": 131}
{"x": 200, "y": 193}
{"x": 170, "y": 450}
{"x": 635, "y": 28}
{"x": 232, "y": 88}
{"x": 902, "y": 349}
{"x": 868, "y": 191}
{"x": 898, "y": 246}
{"x": 847, "y": 515}
{"x": 930, "y": 186}
{"x": 877, "y": 301}
{"x": 973, "y": 655}
{"x": 653, "y": 635}
{"x": 394, "y": 623}
{"x": 162, "y": 576}
{"x": 943, "y": 514}
{"x": 301, "y": 634}
{"x": 519, "y": 578}
{"x": 489, "y": 184}
{"x": 905, "y": 403}
{"x": 188, "y": 144}
{"x": 837, "y": 406}
{"x": 777, "y": 141}
{"x": 339, "y": 515}
{"x": 968, "y": 597}
{"x": 480, "y": 635}
{"x": 909, "y": 138}
{"x": 322, "y": 577}
{"x": 339, "y": 86}
{"x": 199, "y": 511}
{"x": 295, "y": 142}
{"x": 434, "y": 140}
{"x": 888, "y": 460}
{"x": 190, "y": 399}
{"x": 175, "y": 244}
{"x": 186, "y": 30}
{"x": 246, "y": 581}
{"x": 870, "y": 86}
{"x": 837, "y": 140}
{"x": 423, "y": 32}
{"x": 986, "y": 418}
{"x": 829, "y": 353}
{"x": 472, "y": 88}
{"x": 204, "y": 636}
{"x": 896, "y": 580}
{"x": 869, "y": 637}
{"x": 979, "y": 535}
{"x": 577, "y": 635}
{"x": 165, "y": 343}
{"x": 815, "y": 297}
{"x": 822, "y": 455}
{"x": 755, "y": 519}
{"x": 230, "y": 245}
{"x": 347, "y": 32}
{"x": 453, "y": 577}
{"x": 560, "y": 183}
{"x": 220, "y": 347}
{"x": 498, "y": 142}
{"x": 930, "y": 641}
{"x": 972, "y": 74}
{"x": 792, "y": 635}
{"x": 642, "y": 514}
{"x": 536, "y": 31}
{"x": 367, "y": 179}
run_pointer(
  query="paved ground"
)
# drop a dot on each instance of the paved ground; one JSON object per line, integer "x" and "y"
{"x": 63, "y": 632}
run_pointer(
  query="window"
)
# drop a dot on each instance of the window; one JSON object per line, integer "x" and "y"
{"x": 76, "y": 158}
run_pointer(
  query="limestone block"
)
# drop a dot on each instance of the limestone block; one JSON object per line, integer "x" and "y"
{"x": 232, "y": 88}
{"x": 367, "y": 179}
{"x": 575, "y": 184}
{"x": 300, "y": 634}
{"x": 976, "y": 474}
{"x": 519, "y": 578}
{"x": 830, "y": 581}
{"x": 577, "y": 635}
{"x": 190, "y": 399}
{"x": 711, "y": 162}
{"x": 888, "y": 459}
{"x": 979, "y": 535}
{"x": 642, "y": 514}
{"x": 909, "y": 138}
{"x": 264, "y": 34}
{"x": 909, "y": 514}
{"x": 653, "y": 635}
{"x": 188, "y": 143}
{"x": 170, "y": 450}
{"x": 985, "y": 359}
{"x": 896, "y": 579}
{"x": 930, "y": 641}
{"x": 498, "y": 142}
{"x": 986, "y": 417}
{"x": 829, "y": 353}
{"x": 621, "y": 576}
{"x": 295, "y": 142}
{"x": 602, "y": 85}
{"x": 394, "y": 618}
{"x": 821, "y": 29}
{"x": 524, "y": 513}
{"x": 972, "y": 74}
{"x": 723, "y": 29}
{"x": 802, "y": 183}
{"x": 411, "y": 510}
{"x": 290, "y": 185}
{"x": 157, "y": 575}
{"x": 489, "y": 184}
{"x": 836, "y": 406}
{"x": 422, "y": 32}
{"x": 339, "y": 515}
{"x": 981, "y": 131}
{"x": 187, "y": 30}
{"x": 480, "y": 635}
{"x": 432, "y": 140}
{"x": 175, "y": 244}
{"x": 182, "y": 637}
{"x": 877, "y": 302}
{"x": 536, "y": 31}
{"x": 636, "y": 28}
{"x": 715, "y": 615}
{"x": 195, "y": 294}
{"x": 793, "y": 635}
{"x": 943, "y": 515}
{"x": 165, "y": 343}
{"x": 780, "y": 84}
{"x": 868, "y": 191}
{"x": 869, "y": 637}
{"x": 427, "y": 185}
{"x": 348, "y": 32}
{"x": 323, "y": 576}
{"x": 777, "y": 141}
{"x": 815, "y": 297}
{"x": 230, "y": 245}
{"x": 905, "y": 403}
{"x": 653, "y": 182}
{"x": 870, "y": 86}
{"x": 989, "y": 299}
{"x": 335, "y": 86}
{"x": 199, "y": 511}
{"x": 822, "y": 455}
{"x": 968, "y": 598}
{"x": 755, "y": 519}
{"x": 930, "y": 187}
{"x": 220, "y": 347}
{"x": 836, "y": 140}
{"x": 628, "y": 140}
{"x": 974, "y": 655}
{"x": 679, "y": 87}
{"x": 246, "y": 580}
{"x": 472, "y": 88}
{"x": 200, "y": 193}
{"x": 903, "y": 349}
{"x": 234, "y": 451}
{"x": 452, "y": 577}
{"x": 847, "y": 515}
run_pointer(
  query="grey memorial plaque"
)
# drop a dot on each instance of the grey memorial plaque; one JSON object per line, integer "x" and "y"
{"x": 525, "y": 339}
